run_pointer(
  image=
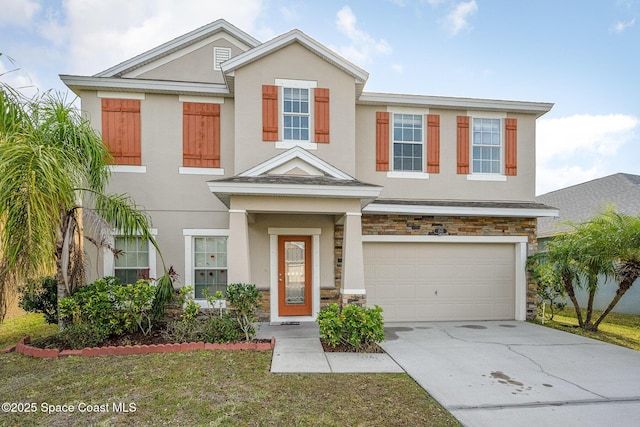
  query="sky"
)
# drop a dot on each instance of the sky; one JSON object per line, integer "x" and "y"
{"x": 581, "y": 55}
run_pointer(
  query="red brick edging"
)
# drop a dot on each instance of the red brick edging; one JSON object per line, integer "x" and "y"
{"x": 23, "y": 347}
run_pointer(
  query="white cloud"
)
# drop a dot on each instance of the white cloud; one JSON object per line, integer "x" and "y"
{"x": 18, "y": 13}
{"x": 458, "y": 19}
{"x": 101, "y": 34}
{"x": 574, "y": 149}
{"x": 551, "y": 179}
{"x": 362, "y": 47}
{"x": 289, "y": 13}
{"x": 12, "y": 75}
{"x": 398, "y": 68}
{"x": 620, "y": 26}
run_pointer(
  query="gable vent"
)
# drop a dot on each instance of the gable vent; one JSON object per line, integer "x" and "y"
{"x": 220, "y": 54}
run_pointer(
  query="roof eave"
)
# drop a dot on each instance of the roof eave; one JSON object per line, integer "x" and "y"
{"x": 454, "y": 103}
{"x": 78, "y": 83}
{"x": 224, "y": 191}
{"x": 178, "y": 43}
{"x": 360, "y": 75}
{"x": 379, "y": 208}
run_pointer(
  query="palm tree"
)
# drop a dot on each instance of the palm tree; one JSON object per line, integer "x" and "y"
{"x": 616, "y": 238}
{"x": 53, "y": 175}
{"x": 607, "y": 246}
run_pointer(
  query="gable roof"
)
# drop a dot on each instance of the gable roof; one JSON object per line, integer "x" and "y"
{"x": 177, "y": 44}
{"x": 283, "y": 40}
{"x": 581, "y": 202}
{"x": 325, "y": 181}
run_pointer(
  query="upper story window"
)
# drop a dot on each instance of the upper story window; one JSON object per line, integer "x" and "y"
{"x": 407, "y": 143}
{"x": 296, "y": 113}
{"x": 486, "y": 153}
{"x": 295, "y": 110}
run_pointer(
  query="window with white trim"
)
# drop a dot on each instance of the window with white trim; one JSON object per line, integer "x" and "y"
{"x": 209, "y": 265}
{"x": 131, "y": 261}
{"x": 486, "y": 146}
{"x": 295, "y": 114}
{"x": 408, "y": 143}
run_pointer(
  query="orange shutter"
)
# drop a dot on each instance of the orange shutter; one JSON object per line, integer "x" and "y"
{"x": 321, "y": 112}
{"x": 382, "y": 141}
{"x": 463, "y": 144}
{"x": 433, "y": 143}
{"x": 511, "y": 146}
{"x": 121, "y": 130}
{"x": 269, "y": 113}
{"x": 201, "y": 135}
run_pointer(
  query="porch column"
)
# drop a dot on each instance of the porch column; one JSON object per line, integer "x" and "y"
{"x": 352, "y": 258}
{"x": 238, "y": 248}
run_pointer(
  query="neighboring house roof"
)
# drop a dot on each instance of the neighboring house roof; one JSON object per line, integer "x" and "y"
{"x": 452, "y": 207}
{"x": 178, "y": 44}
{"x": 581, "y": 202}
{"x": 283, "y": 40}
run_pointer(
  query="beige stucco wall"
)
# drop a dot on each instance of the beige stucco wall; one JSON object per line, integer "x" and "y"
{"x": 259, "y": 251}
{"x": 293, "y": 62}
{"x": 174, "y": 201}
{"x": 196, "y": 66}
{"x": 446, "y": 185}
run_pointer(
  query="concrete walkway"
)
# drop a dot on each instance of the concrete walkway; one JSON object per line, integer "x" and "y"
{"x": 515, "y": 373}
{"x": 298, "y": 350}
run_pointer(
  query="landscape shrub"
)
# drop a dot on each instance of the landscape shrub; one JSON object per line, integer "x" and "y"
{"x": 41, "y": 296}
{"x": 81, "y": 335}
{"x": 111, "y": 307}
{"x": 221, "y": 329}
{"x": 353, "y": 325}
{"x": 245, "y": 300}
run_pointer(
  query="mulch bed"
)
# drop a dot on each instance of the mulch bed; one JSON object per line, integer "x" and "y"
{"x": 345, "y": 348}
{"x": 124, "y": 340}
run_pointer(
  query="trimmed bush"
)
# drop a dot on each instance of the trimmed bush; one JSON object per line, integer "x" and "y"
{"x": 355, "y": 326}
{"x": 41, "y": 296}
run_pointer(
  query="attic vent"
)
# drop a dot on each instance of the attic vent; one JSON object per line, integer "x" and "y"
{"x": 220, "y": 54}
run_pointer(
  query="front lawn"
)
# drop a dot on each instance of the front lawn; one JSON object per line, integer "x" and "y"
{"x": 32, "y": 324}
{"x": 202, "y": 388}
{"x": 616, "y": 328}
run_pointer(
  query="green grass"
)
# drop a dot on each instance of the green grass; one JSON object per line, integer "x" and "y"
{"x": 616, "y": 328}
{"x": 11, "y": 330}
{"x": 215, "y": 388}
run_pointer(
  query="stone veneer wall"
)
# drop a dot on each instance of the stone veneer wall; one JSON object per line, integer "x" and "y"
{"x": 421, "y": 225}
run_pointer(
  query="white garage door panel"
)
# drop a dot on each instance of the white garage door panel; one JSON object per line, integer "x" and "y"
{"x": 441, "y": 281}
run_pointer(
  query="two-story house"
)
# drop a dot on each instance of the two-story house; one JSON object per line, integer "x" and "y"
{"x": 268, "y": 163}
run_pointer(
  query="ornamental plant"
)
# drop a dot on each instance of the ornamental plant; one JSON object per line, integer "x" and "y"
{"x": 352, "y": 325}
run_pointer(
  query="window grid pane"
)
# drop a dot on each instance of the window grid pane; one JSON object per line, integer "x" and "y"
{"x": 210, "y": 265}
{"x": 133, "y": 263}
{"x": 407, "y": 142}
{"x": 487, "y": 145}
{"x": 296, "y": 114}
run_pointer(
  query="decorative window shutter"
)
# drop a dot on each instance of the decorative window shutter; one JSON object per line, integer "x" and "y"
{"x": 382, "y": 141}
{"x": 433, "y": 143}
{"x": 463, "y": 144}
{"x": 511, "y": 146}
{"x": 121, "y": 130}
{"x": 269, "y": 113}
{"x": 201, "y": 135}
{"x": 321, "y": 112}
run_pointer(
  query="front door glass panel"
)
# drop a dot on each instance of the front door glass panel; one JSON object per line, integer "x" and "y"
{"x": 295, "y": 280}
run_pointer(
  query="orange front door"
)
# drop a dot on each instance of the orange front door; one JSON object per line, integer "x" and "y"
{"x": 294, "y": 275}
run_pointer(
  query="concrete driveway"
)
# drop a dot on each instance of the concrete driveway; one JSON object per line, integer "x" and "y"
{"x": 507, "y": 373}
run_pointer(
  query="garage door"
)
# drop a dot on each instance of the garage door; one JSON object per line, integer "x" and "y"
{"x": 441, "y": 281}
